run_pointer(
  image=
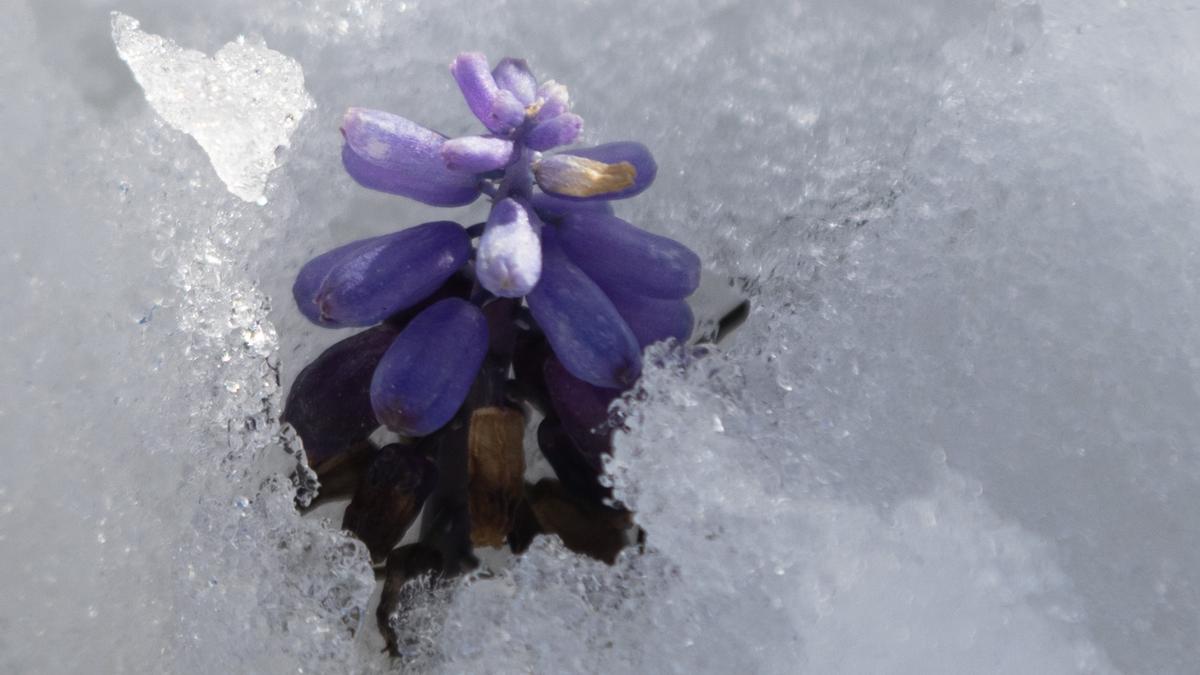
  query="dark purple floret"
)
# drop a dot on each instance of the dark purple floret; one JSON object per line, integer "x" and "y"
{"x": 364, "y": 282}
{"x": 653, "y": 319}
{"x": 581, "y": 323}
{"x": 329, "y": 404}
{"x": 307, "y": 286}
{"x": 426, "y": 373}
{"x": 577, "y": 433}
{"x": 581, "y": 407}
{"x": 553, "y": 209}
{"x": 561, "y": 130}
{"x": 622, "y": 257}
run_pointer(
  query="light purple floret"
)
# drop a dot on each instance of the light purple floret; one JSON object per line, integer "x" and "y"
{"x": 497, "y": 108}
{"x": 509, "y": 260}
{"x": 561, "y": 130}
{"x": 599, "y": 288}
{"x": 514, "y": 75}
{"x": 555, "y": 100}
{"x": 477, "y": 154}
{"x": 389, "y": 153}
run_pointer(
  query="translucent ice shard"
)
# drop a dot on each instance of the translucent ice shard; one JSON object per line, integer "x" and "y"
{"x": 240, "y": 105}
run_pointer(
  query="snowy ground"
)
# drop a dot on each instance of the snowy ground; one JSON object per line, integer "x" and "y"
{"x": 960, "y": 432}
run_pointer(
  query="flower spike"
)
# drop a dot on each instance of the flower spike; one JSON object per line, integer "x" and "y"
{"x": 551, "y": 309}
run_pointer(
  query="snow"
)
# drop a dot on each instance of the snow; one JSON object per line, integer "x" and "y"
{"x": 241, "y": 106}
{"x": 957, "y": 432}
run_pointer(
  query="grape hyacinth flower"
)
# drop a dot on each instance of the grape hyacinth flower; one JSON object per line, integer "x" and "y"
{"x": 547, "y": 304}
{"x": 609, "y": 288}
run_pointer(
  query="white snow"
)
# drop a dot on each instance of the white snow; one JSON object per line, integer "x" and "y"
{"x": 958, "y": 432}
{"x": 241, "y": 105}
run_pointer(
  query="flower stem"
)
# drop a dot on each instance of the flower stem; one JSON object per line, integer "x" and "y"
{"x": 518, "y": 178}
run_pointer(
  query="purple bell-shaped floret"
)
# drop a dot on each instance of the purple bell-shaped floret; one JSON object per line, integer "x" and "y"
{"x": 425, "y": 375}
{"x": 366, "y": 281}
{"x": 389, "y": 153}
{"x": 580, "y": 322}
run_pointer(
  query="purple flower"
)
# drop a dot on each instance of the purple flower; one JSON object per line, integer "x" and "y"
{"x": 424, "y": 375}
{"x": 365, "y": 282}
{"x": 509, "y": 259}
{"x": 389, "y": 153}
{"x": 598, "y": 288}
{"x": 609, "y": 171}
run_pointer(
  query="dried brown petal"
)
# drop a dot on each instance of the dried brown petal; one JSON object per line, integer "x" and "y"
{"x": 495, "y": 465}
{"x": 339, "y": 477}
{"x": 389, "y": 497}
{"x": 586, "y": 528}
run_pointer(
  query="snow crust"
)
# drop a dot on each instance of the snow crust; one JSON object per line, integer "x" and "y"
{"x": 241, "y": 106}
{"x": 957, "y": 433}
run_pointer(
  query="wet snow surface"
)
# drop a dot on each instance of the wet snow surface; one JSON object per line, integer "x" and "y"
{"x": 959, "y": 432}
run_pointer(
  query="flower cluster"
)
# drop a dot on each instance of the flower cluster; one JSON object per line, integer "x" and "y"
{"x": 548, "y": 304}
{"x": 598, "y": 287}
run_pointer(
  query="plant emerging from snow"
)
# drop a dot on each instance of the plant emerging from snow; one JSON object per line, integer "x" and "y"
{"x": 544, "y": 307}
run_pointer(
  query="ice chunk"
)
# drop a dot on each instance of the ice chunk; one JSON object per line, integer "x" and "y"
{"x": 241, "y": 105}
